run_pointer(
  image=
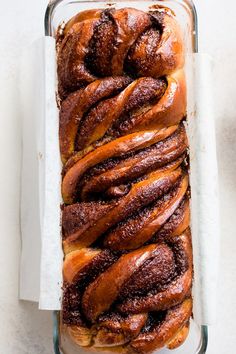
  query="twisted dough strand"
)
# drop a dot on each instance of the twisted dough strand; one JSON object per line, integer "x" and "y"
{"x": 89, "y": 114}
{"x": 110, "y": 42}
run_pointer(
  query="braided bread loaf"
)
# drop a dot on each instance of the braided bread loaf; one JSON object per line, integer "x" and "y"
{"x": 125, "y": 220}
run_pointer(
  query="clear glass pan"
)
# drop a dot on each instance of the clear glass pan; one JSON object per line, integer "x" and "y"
{"x": 59, "y": 11}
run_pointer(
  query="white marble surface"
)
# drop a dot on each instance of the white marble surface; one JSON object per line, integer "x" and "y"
{"x": 24, "y": 329}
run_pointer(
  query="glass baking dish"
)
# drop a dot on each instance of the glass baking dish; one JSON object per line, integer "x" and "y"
{"x": 59, "y": 11}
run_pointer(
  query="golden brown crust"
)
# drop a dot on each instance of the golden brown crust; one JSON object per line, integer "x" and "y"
{"x": 172, "y": 294}
{"x": 99, "y": 43}
{"x": 159, "y": 337}
{"x": 116, "y": 148}
{"x": 75, "y": 262}
{"x": 78, "y": 103}
{"x": 128, "y": 265}
{"x": 166, "y": 55}
{"x": 132, "y": 236}
{"x": 90, "y": 114}
{"x": 170, "y": 110}
{"x": 170, "y": 333}
{"x": 179, "y": 338}
{"x": 99, "y": 296}
{"x": 141, "y": 194}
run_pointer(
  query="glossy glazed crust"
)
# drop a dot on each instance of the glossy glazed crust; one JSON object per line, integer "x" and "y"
{"x": 125, "y": 220}
{"x": 100, "y": 43}
{"x": 117, "y": 106}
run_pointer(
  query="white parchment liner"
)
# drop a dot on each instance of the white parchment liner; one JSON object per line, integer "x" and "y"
{"x": 41, "y": 262}
{"x": 42, "y": 256}
{"x": 205, "y": 225}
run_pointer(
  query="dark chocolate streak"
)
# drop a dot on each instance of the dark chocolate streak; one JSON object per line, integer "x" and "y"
{"x": 98, "y": 265}
{"x": 163, "y": 272}
{"x": 101, "y": 46}
{"x": 82, "y": 215}
{"x": 155, "y": 272}
{"x": 100, "y": 220}
{"x": 173, "y": 222}
{"x": 124, "y": 233}
{"x": 72, "y": 293}
{"x": 142, "y": 162}
{"x": 171, "y": 293}
{"x": 130, "y": 103}
{"x": 150, "y": 38}
{"x": 71, "y": 304}
{"x": 78, "y": 104}
{"x": 111, "y": 43}
{"x": 103, "y": 107}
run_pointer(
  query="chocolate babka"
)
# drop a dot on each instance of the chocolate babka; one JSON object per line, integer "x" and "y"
{"x": 125, "y": 219}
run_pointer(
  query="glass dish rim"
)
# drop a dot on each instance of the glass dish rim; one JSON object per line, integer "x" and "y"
{"x": 52, "y": 5}
{"x": 201, "y": 350}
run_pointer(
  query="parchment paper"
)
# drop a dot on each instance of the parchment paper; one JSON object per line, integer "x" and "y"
{"x": 41, "y": 261}
{"x": 205, "y": 223}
